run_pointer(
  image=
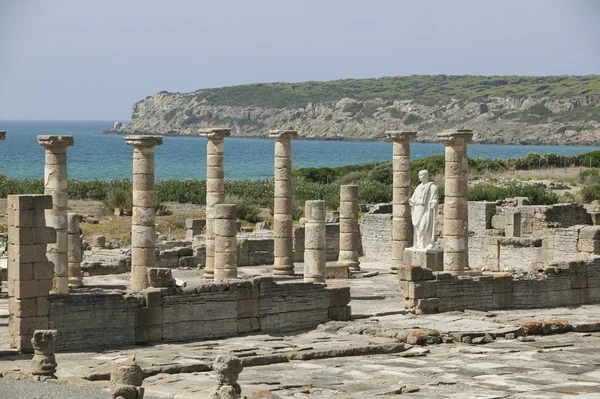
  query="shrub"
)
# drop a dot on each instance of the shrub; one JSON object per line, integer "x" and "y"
{"x": 244, "y": 207}
{"x": 537, "y": 195}
{"x": 118, "y": 197}
{"x": 590, "y": 193}
{"x": 589, "y": 176}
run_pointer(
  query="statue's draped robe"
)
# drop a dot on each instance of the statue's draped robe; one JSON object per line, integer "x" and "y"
{"x": 423, "y": 212}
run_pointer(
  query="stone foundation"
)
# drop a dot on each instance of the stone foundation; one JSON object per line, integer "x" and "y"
{"x": 88, "y": 320}
{"x": 563, "y": 284}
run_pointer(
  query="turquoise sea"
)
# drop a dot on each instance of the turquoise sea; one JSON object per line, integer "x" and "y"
{"x": 99, "y": 156}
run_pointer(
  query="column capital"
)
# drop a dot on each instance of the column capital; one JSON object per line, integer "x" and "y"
{"x": 450, "y": 136}
{"x": 2, "y": 134}
{"x": 283, "y": 135}
{"x": 55, "y": 142}
{"x": 215, "y": 133}
{"x": 400, "y": 136}
{"x": 143, "y": 140}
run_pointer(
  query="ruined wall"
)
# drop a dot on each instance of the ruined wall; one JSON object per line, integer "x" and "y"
{"x": 86, "y": 320}
{"x": 565, "y": 284}
{"x": 211, "y": 310}
{"x": 332, "y": 242}
{"x": 376, "y": 236}
{"x": 255, "y": 248}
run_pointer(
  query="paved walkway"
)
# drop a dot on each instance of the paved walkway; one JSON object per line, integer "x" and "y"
{"x": 364, "y": 358}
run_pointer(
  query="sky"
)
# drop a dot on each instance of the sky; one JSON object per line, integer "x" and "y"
{"x": 92, "y": 60}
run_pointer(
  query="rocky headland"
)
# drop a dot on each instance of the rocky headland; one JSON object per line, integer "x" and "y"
{"x": 558, "y": 110}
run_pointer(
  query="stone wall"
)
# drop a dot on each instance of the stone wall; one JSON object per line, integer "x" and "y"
{"x": 563, "y": 284}
{"x": 376, "y": 236}
{"x": 88, "y": 320}
{"x": 255, "y": 248}
{"x": 332, "y": 242}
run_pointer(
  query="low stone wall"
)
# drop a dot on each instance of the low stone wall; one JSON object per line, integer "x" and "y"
{"x": 332, "y": 242}
{"x": 563, "y": 284}
{"x": 255, "y": 249}
{"x": 88, "y": 320}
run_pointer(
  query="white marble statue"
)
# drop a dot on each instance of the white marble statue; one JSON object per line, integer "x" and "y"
{"x": 423, "y": 209}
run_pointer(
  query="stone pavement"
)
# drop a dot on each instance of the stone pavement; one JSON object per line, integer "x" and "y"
{"x": 366, "y": 357}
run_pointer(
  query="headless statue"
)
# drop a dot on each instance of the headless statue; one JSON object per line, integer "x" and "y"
{"x": 423, "y": 209}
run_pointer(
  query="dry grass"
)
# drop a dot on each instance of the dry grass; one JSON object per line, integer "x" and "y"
{"x": 561, "y": 175}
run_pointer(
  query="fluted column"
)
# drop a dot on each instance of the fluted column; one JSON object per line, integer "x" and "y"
{"x": 215, "y": 189}
{"x": 225, "y": 229}
{"x": 282, "y": 209}
{"x": 402, "y": 229}
{"x": 74, "y": 254}
{"x": 456, "y": 215}
{"x": 315, "y": 259}
{"x": 55, "y": 184}
{"x": 143, "y": 230}
{"x": 349, "y": 227}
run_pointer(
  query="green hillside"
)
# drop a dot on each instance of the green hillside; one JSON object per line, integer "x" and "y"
{"x": 428, "y": 90}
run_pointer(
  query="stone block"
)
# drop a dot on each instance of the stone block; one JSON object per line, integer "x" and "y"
{"x": 20, "y": 202}
{"x": 27, "y": 326}
{"x": 150, "y": 316}
{"x": 247, "y": 308}
{"x": 427, "y": 306}
{"x": 153, "y": 297}
{"x": 22, "y": 308}
{"x": 503, "y": 300}
{"x": 340, "y": 296}
{"x": 578, "y": 281}
{"x": 43, "y": 270}
{"x": 337, "y": 271}
{"x": 503, "y": 284}
{"x": 19, "y": 271}
{"x": 421, "y": 289}
{"x": 154, "y": 333}
{"x": 411, "y": 273}
{"x": 43, "y": 306}
{"x": 31, "y": 288}
{"x": 340, "y": 313}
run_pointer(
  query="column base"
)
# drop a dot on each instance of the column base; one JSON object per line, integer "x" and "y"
{"x": 352, "y": 265}
{"x": 60, "y": 285}
{"x": 283, "y": 270}
{"x": 209, "y": 274}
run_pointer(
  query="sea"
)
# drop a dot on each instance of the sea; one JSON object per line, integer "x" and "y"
{"x": 100, "y": 156}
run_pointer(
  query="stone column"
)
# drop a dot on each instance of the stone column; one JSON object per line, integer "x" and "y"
{"x": 349, "y": 227}
{"x": 29, "y": 272}
{"x": 74, "y": 253}
{"x": 402, "y": 228}
{"x": 314, "y": 242}
{"x": 225, "y": 242}
{"x": 55, "y": 184}
{"x": 2, "y": 134}
{"x": 456, "y": 220}
{"x": 143, "y": 230}
{"x": 215, "y": 189}
{"x": 282, "y": 209}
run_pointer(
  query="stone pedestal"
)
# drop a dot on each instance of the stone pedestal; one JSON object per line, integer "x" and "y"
{"x": 282, "y": 209}
{"x": 314, "y": 242}
{"x": 43, "y": 364}
{"x": 55, "y": 184}
{"x": 215, "y": 189}
{"x": 75, "y": 255}
{"x": 349, "y": 227}
{"x": 227, "y": 369}
{"x": 126, "y": 381}
{"x": 29, "y": 271}
{"x": 456, "y": 215}
{"x": 402, "y": 229}
{"x": 224, "y": 216}
{"x": 430, "y": 258}
{"x": 143, "y": 230}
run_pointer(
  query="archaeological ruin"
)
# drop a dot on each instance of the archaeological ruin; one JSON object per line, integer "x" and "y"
{"x": 440, "y": 255}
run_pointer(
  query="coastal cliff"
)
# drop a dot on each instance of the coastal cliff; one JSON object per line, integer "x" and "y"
{"x": 513, "y": 110}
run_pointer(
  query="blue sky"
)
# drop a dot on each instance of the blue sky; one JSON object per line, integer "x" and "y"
{"x": 92, "y": 60}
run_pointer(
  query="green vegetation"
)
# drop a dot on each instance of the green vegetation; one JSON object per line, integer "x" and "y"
{"x": 375, "y": 181}
{"x": 420, "y": 88}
